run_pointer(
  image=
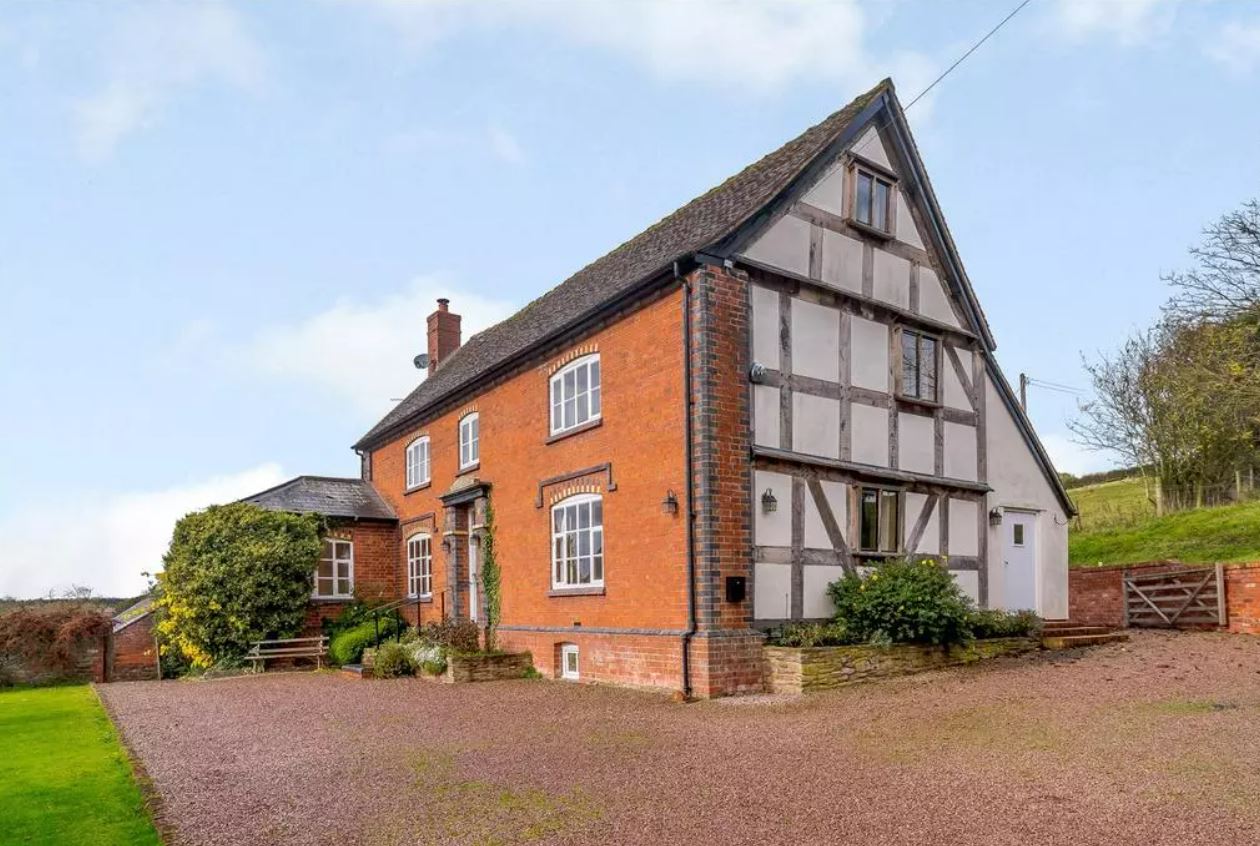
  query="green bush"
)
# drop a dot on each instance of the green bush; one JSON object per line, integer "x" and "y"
{"x": 806, "y": 635}
{"x": 359, "y": 612}
{"x": 235, "y": 574}
{"x": 392, "y": 660}
{"x": 985, "y": 623}
{"x": 347, "y": 647}
{"x": 903, "y": 602}
{"x": 433, "y": 667}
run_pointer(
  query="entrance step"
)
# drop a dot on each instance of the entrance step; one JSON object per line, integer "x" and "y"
{"x": 1072, "y": 631}
{"x": 1056, "y": 641}
{"x": 355, "y": 671}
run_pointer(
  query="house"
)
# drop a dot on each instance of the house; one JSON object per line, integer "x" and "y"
{"x": 685, "y": 442}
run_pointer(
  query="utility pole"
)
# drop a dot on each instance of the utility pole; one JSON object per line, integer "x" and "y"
{"x": 1023, "y": 392}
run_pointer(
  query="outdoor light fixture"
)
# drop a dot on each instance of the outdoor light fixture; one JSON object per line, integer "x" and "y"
{"x": 757, "y": 373}
{"x": 669, "y": 505}
{"x": 995, "y": 517}
{"x": 768, "y": 502}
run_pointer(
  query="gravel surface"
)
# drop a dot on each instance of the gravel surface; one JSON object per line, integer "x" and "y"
{"x": 1151, "y": 742}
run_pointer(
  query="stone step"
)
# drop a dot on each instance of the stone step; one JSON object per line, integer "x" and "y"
{"x": 1071, "y": 631}
{"x": 355, "y": 671}
{"x": 1055, "y": 642}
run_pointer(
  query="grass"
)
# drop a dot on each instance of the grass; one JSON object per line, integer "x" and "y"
{"x": 1122, "y": 502}
{"x": 64, "y": 777}
{"x": 1223, "y": 533}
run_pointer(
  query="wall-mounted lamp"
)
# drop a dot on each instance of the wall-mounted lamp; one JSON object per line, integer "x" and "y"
{"x": 768, "y": 502}
{"x": 995, "y": 517}
{"x": 757, "y": 373}
{"x": 669, "y": 505}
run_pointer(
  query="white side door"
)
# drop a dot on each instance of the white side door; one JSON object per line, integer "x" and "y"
{"x": 1019, "y": 560}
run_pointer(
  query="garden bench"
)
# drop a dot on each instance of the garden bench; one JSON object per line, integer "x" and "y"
{"x": 293, "y": 647}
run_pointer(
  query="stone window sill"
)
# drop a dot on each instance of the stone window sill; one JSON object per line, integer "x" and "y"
{"x": 588, "y": 591}
{"x": 576, "y": 430}
{"x": 420, "y": 487}
{"x": 471, "y": 468}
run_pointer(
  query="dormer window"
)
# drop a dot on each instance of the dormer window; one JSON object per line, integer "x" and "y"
{"x": 418, "y": 462}
{"x": 872, "y": 201}
{"x": 469, "y": 441}
{"x": 575, "y": 395}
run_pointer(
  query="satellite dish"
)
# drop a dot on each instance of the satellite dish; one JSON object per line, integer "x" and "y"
{"x": 421, "y": 361}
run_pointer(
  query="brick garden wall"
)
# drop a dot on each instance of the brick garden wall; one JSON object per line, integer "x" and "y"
{"x": 133, "y": 652}
{"x": 1096, "y": 594}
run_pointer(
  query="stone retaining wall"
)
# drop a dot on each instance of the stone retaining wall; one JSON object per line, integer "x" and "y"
{"x": 808, "y": 670}
{"x": 475, "y": 668}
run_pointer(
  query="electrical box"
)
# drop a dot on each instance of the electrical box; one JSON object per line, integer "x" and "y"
{"x": 736, "y": 588}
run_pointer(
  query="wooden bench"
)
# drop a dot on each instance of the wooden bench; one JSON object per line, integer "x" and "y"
{"x": 293, "y": 647}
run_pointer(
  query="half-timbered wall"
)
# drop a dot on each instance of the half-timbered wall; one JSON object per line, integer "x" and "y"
{"x": 829, "y": 300}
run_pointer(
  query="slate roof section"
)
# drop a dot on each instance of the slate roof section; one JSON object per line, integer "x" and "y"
{"x": 327, "y": 495}
{"x": 697, "y": 225}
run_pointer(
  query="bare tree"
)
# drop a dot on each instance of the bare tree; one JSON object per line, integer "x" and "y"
{"x": 1226, "y": 276}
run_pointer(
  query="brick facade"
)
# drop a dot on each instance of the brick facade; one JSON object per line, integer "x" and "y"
{"x": 377, "y": 577}
{"x": 133, "y": 652}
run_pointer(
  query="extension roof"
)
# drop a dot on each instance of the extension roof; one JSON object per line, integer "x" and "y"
{"x": 327, "y": 495}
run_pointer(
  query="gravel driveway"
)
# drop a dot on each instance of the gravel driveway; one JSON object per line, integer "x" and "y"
{"x": 1151, "y": 742}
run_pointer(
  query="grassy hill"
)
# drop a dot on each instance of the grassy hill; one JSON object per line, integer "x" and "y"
{"x": 1118, "y": 525}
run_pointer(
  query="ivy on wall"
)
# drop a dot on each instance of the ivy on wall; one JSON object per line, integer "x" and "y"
{"x": 490, "y": 578}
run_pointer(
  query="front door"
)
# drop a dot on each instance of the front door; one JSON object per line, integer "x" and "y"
{"x": 1019, "y": 560}
{"x": 473, "y": 579}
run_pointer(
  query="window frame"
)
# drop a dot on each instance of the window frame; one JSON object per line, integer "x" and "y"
{"x": 567, "y": 649}
{"x": 420, "y": 577}
{"x": 349, "y": 562}
{"x": 560, "y": 563}
{"x": 898, "y": 528}
{"x": 473, "y": 443}
{"x": 938, "y": 351}
{"x": 878, "y": 176}
{"x": 592, "y": 390}
{"x": 420, "y": 481}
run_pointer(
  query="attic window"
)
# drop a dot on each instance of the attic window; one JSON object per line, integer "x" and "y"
{"x": 872, "y": 201}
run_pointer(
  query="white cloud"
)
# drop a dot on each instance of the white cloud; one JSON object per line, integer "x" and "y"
{"x": 362, "y": 352}
{"x": 1237, "y": 47}
{"x": 1070, "y": 457}
{"x": 1128, "y": 21}
{"x": 738, "y": 44}
{"x": 157, "y": 53}
{"x": 106, "y": 541}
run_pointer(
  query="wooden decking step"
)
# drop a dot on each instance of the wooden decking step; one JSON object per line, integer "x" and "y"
{"x": 1056, "y": 641}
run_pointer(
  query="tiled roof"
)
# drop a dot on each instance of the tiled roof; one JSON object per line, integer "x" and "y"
{"x": 333, "y": 497}
{"x": 699, "y": 224}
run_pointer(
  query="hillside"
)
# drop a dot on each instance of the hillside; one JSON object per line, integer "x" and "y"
{"x": 1223, "y": 533}
{"x": 1122, "y": 502}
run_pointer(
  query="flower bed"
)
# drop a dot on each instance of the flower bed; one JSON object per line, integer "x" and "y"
{"x": 810, "y": 669}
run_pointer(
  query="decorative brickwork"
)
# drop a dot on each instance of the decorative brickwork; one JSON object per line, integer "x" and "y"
{"x": 794, "y": 670}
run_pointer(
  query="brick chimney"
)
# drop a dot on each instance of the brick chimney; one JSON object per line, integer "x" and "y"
{"x": 443, "y": 334}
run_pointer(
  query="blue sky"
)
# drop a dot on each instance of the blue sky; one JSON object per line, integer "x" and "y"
{"x": 222, "y": 224}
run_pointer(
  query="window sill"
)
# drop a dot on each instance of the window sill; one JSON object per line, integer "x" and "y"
{"x": 922, "y": 403}
{"x": 576, "y": 430}
{"x": 420, "y": 487}
{"x": 463, "y": 471}
{"x": 874, "y": 231}
{"x": 331, "y": 600}
{"x": 423, "y": 600}
{"x": 583, "y": 591}
{"x": 867, "y": 554}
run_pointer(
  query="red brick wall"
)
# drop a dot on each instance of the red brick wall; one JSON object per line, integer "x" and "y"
{"x": 1242, "y": 598}
{"x": 378, "y": 569}
{"x": 134, "y": 652}
{"x": 641, "y": 434}
{"x": 1096, "y": 595}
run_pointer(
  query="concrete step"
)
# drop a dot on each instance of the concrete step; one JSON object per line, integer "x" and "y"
{"x": 1053, "y": 641}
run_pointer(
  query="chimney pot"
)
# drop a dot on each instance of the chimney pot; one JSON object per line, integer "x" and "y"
{"x": 443, "y": 304}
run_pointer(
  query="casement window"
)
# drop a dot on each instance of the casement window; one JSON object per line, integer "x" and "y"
{"x": 575, "y": 398}
{"x": 418, "y": 462}
{"x": 419, "y": 566}
{"x": 577, "y": 542}
{"x": 334, "y": 577}
{"x": 879, "y": 520}
{"x": 569, "y": 662}
{"x": 469, "y": 441}
{"x": 920, "y": 360}
{"x": 872, "y": 200}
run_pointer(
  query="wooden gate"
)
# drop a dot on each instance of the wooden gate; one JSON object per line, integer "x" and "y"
{"x": 1190, "y": 597}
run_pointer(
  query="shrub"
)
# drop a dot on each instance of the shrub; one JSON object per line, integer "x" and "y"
{"x": 48, "y": 640}
{"x": 452, "y": 634}
{"x": 235, "y": 574}
{"x": 359, "y": 612}
{"x": 996, "y": 623}
{"x": 434, "y": 667}
{"x": 834, "y": 633}
{"x": 392, "y": 660}
{"x": 903, "y": 602}
{"x": 347, "y": 647}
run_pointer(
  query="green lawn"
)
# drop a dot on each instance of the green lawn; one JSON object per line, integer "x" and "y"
{"x": 1224, "y": 533}
{"x": 1122, "y": 502}
{"x": 64, "y": 778}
